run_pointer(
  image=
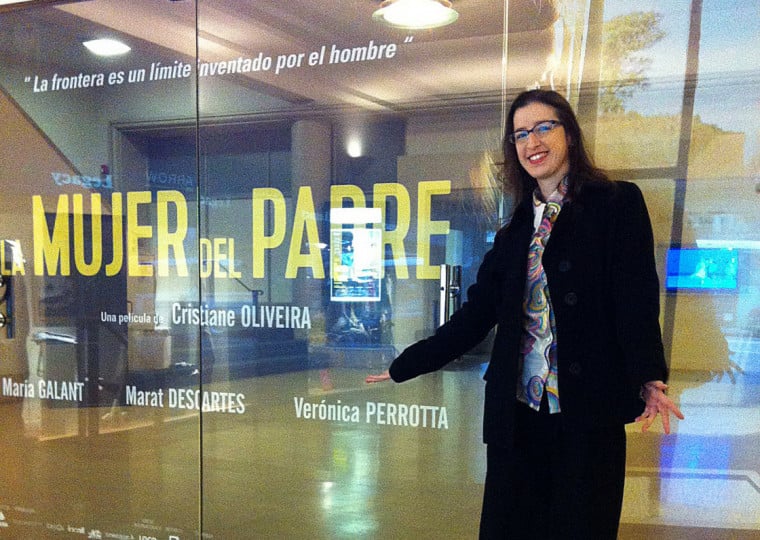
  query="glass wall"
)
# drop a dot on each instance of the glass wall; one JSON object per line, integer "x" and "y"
{"x": 99, "y": 417}
{"x": 209, "y": 240}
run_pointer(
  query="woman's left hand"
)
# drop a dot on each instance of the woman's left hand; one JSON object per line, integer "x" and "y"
{"x": 657, "y": 403}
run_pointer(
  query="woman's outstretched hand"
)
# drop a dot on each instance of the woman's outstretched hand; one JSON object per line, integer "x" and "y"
{"x": 380, "y": 377}
{"x": 657, "y": 403}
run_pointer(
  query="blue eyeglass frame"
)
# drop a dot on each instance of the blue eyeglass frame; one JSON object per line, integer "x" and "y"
{"x": 540, "y": 129}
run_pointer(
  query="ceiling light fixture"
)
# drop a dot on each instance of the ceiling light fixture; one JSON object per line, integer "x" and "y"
{"x": 416, "y": 14}
{"x": 106, "y": 47}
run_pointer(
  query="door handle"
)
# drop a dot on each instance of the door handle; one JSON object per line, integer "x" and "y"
{"x": 450, "y": 292}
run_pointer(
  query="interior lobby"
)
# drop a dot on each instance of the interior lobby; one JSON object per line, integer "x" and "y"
{"x": 213, "y": 231}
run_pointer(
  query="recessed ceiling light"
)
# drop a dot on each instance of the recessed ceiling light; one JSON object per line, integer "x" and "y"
{"x": 416, "y": 14}
{"x": 106, "y": 47}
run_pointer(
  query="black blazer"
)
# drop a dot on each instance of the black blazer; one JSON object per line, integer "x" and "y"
{"x": 603, "y": 284}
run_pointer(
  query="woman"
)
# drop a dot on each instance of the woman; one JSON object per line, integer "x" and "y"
{"x": 572, "y": 287}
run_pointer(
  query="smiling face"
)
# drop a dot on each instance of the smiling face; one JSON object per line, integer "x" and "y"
{"x": 545, "y": 159}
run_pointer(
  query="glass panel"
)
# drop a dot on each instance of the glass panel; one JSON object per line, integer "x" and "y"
{"x": 708, "y": 259}
{"x": 716, "y": 350}
{"x": 99, "y": 198}
{"x": 642, "y": 66}
{"x": 346, "y": 161}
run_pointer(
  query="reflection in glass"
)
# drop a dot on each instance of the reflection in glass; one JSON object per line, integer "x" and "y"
{"x": 205, "y": 163}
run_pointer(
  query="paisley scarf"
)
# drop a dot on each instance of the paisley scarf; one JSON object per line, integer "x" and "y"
{"x": 539, "y": 343}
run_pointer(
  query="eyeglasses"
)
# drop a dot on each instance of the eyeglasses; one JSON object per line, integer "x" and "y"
{"x": 541, "y": 130}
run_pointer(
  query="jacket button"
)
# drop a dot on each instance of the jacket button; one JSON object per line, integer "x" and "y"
{"x": 575, "y": 368}
{"x": 564, "y": 265}
{"x": 571, "y": 299}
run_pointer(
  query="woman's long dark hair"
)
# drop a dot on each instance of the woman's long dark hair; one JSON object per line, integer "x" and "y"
{"x": 516, "y": 179}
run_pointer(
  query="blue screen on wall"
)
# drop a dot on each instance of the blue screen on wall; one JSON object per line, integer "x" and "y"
{"x": 709, "y": 269}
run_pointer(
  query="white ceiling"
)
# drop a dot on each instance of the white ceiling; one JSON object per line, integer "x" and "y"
{"x": 461, "y": 62}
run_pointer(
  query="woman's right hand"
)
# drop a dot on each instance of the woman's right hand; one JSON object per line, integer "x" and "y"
{"x": 380, "y": 377}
